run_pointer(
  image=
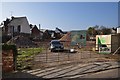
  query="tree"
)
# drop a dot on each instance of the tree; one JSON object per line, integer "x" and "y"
{"x": 104, "y": 30}
{"x": 96, "y": 27}
{"x": 98, "y": 30}
{"x": 91, "y": 31}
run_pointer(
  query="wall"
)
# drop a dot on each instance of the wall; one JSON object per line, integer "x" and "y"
{"x": 7, "y": 61}
{"x": 78, "y": 37}
{"x": 23, "y": 22}
{"x": 115, "y": 42}
{"x": 25, "y": 28}
{"x": 118, "y": 30}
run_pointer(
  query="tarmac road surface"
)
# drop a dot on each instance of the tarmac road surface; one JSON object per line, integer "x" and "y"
{"x": 91, "y": 70}
{"x": 112, "y": 73}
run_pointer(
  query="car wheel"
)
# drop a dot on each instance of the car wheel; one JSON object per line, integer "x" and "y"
{"x": 51, "y": 50}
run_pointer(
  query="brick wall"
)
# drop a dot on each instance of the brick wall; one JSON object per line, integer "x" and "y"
{"x": 7, "y": 61}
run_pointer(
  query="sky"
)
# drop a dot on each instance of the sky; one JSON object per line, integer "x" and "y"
{"x": 64, "y": 15}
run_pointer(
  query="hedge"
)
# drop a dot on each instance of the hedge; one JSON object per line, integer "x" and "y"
{"x": 10, "y": 47}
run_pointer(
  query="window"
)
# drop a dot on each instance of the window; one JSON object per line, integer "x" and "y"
{"x": 19, "y": 28}
{"x": 82, "y": 37}
{"x": 11, "y": 29}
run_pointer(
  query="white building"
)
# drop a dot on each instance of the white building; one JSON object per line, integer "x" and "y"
{"x": 118, "y": 30}
{"x": 19, "y": 25}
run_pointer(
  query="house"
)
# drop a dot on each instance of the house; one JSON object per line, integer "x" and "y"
{"x": 36, "y": 33}
{"x": 66, "y": 40}
{"x": 118, "y": 30}
{"x": 74, "y": 37}
{"x": 16, "y": 25}
{"x": 50, "y": 34}
{"x": 57, "y": 30}
{"x": 78, "y": 37}
{"x": 0, "y": 31}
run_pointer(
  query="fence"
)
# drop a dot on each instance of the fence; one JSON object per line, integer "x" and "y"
{"x": 42, "y": 57}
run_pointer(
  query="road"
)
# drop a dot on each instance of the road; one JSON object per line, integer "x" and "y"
{"x": 91, "y": 70}
{"x": 112, "y": 73}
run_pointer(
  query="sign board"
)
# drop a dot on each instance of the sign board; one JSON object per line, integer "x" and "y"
{"x": 103, "y": 43}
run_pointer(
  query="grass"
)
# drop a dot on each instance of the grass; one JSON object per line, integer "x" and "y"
{"x": 26, "y": 56}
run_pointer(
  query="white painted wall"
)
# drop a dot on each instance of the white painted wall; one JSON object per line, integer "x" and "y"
{"x": 118, "y": 30}
{"x": 23, "y": 22}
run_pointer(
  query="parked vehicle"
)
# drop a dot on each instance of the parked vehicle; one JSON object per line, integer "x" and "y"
{"x": 56, "y": 45}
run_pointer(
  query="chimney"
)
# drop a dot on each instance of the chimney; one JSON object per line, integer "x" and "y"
{"x": 12, "y": 17}
{"x": 39, "y": 26}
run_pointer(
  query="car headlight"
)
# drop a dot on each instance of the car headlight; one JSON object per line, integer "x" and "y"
{"x": 51, "y": 46}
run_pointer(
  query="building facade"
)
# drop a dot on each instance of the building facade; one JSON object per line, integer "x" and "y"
{"x": 16, "y": 25}
{"x": 78, "y": 37}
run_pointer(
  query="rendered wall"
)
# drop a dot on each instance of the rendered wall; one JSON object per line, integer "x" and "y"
{"x": 23, "y": 22}
{"x": 115, "y": 42}
{"x": 78, "y": 37}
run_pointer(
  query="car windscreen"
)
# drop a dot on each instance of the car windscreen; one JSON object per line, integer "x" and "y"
{"x": 55, "y": 42}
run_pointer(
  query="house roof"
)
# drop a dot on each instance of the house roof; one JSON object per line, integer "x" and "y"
{"x": 14, "y": 18}
{"x": 43, "y": 30}
{"x": 17, "y": 18}
{"x": 35, "y": 27}
{"x": 1, "y": 26}
{"x": 66, "y": 37}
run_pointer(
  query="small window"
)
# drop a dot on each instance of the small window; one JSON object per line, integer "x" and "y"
{"x": 19, "y": 28}
{"x": 82, "y": 37}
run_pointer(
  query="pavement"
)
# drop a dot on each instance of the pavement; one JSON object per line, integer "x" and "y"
{"x": 90, "y": 70}
{"x": 111, "y": 73}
